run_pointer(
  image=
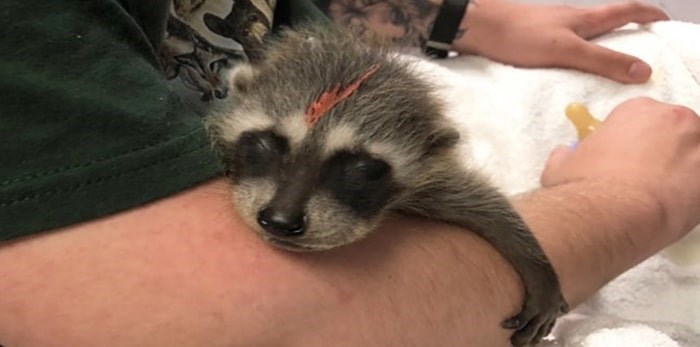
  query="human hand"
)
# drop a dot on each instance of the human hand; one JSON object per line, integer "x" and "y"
{"x": 536, "y": 35}
{"x": 649, "y": 145}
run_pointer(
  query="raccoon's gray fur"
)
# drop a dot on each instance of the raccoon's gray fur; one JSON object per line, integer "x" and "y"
{"x": 386, "y": 147}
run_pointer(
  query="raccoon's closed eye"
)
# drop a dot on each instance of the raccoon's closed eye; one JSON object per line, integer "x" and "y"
{"x": 362, "y": 170}
{"x": 355, "y": 169}
{"x": 361, "y": 182}
{"x": 258, "y": 153}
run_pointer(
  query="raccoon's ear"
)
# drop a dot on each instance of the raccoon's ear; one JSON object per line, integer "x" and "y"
{"x": 241, "y": 76}
{"x": 443, "y": 138}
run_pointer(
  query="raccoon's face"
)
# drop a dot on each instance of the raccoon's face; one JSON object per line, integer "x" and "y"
{"x": 315, "y": 189}
{"x": 314, "y": 194}
{"x": 323, "y": 137}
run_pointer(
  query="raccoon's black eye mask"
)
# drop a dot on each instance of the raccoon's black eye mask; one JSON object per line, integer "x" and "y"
{"x": 355, "y": 178}
{"x": 256, "y": 154}
{"x": 358, "y": 180}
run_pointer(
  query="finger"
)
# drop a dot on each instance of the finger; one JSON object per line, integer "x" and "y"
{"x": 601, "y": 19}
{"x": 554, "y": 162}
{"x": 576, "y": 53}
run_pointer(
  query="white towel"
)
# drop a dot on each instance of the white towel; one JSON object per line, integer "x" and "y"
{"x": 513, "y": 118}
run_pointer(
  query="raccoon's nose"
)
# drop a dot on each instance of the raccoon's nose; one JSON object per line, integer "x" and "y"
{"x": 221, "y": 92}
{"x": 281, "y": 224}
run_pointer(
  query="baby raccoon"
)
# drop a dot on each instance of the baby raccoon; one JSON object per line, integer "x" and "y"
{"x": 325, "y": 134}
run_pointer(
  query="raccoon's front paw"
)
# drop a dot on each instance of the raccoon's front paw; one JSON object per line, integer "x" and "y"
{"x": 536, "y": 319}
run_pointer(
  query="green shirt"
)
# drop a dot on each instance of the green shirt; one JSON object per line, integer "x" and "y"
{"x": 91, "y": 120}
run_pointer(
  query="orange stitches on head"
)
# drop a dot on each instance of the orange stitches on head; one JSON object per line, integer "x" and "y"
{"x": 329, "y": 99}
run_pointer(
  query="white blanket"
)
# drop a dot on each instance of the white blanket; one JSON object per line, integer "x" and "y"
{"x": 514, "y": 117}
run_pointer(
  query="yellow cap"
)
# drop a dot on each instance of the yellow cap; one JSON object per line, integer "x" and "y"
{"x": 584, "y": 122}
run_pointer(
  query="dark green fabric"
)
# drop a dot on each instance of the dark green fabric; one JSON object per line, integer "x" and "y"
{"x": 87, "y": 122}
{"x": 322, "y": 5}
{"x": 151, "y": 16}
{"x": 294, "y": 12}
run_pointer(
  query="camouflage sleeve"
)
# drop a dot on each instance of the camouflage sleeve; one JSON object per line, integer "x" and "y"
{"x": 206, "y": 38}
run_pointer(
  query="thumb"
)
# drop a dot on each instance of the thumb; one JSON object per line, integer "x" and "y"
{"x": 592, "y": 58}
{"x": 550, "y": 175}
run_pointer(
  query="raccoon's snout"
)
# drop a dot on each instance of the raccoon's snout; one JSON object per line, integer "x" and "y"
{"x": 281, "y": 224}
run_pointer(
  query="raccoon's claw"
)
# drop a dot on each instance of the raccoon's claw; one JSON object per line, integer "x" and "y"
{"x": 534, "y": 322}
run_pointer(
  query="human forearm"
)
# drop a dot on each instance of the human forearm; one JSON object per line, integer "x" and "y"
{"x": 185, "y": 271}
{"x": 591, "y": 230}
{"x": 594, "y": 230}
{"x": 512, "y": 32}
{"x": 405, "y": 22}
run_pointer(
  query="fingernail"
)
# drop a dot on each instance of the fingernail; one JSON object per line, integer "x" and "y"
{"x": 639, "y": 71}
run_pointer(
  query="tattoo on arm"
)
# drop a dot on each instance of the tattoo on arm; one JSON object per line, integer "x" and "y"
{"x": 405, "y": 22}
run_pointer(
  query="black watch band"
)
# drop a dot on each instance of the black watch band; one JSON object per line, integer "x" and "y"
{"x": 445, "y": 28}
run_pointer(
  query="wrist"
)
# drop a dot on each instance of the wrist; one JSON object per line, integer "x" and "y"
{"x": 592, "y": 231}
{"x": 446, "y": 28}
{"x": 672, "y": 211}
{"x": 466, "y": 42}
